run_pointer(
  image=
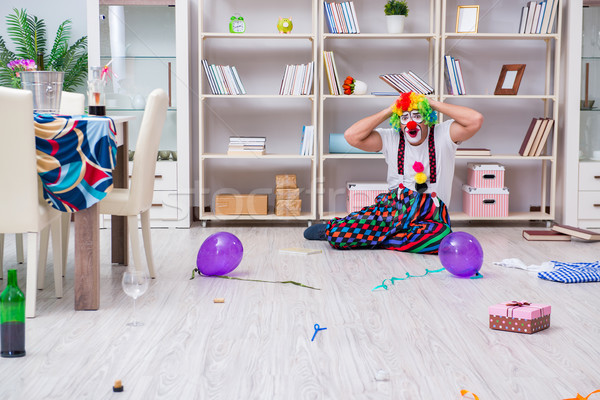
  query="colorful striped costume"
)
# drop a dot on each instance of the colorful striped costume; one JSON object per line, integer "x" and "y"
{"x": 402, "y": 220}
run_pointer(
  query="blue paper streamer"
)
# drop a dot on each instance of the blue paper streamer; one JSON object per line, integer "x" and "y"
{"x": 394, "y": 279}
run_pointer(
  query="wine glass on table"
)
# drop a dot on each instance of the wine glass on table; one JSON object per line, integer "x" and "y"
{"x": 135, "y": 283}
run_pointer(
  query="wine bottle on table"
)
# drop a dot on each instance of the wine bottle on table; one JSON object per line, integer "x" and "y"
{"x": 12, "y": 318}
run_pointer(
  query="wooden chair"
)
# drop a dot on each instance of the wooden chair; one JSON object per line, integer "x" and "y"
{"x": 137, "y": 199}
{"x": 22, "y": 207}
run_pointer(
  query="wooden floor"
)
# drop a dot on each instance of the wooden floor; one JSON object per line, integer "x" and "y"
{"x": 424, "y": 338}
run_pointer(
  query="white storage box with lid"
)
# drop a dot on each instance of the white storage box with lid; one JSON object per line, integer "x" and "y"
{"x": 485, "y": 175}
{"x": 362, "y": 194}
{"x": 485, "y": 202}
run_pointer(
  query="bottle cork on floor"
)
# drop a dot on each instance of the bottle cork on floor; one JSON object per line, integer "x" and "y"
{"x": 118, "y": 387}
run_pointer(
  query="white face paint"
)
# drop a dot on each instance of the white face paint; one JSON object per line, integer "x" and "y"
{"x": 413, "y": 136}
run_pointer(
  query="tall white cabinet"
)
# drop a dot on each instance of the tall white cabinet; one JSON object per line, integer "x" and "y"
{"x": 260, "y": 55}
{"x": 146, "y": 43}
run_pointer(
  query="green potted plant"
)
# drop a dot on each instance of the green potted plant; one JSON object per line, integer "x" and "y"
{"x": 28, "y": 34}
{"x": 396, "y": 12}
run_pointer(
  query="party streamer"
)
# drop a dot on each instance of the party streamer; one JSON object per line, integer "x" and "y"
{"x": 195, "y": 270}
{"x": 394, "y": 279}
{"x": 580, "y": 397}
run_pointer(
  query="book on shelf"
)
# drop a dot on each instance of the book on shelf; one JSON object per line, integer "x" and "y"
{"x": 246, "y": 145}
{"x": 307, "y": 142}
{"x": 529, "y": 138}
{"x": 297, "y": 79}
{"x": 384, "y": 93}
{"x": 468, "y": 151}
{"x": 545, "y": 235}
{"x": 223, "y": 79}
{"x": 579, "y": 233}
{"x": 544, "y": 137}
{"x": 538, "y": 17}
{"x": 341, "y": 17}
{"x": 453, "y": 75}
{"x": 333, "y": 80}
{"x": 538, "y": 136}
{"x": 300, "y": 251}
{"x": 407, "y": 82}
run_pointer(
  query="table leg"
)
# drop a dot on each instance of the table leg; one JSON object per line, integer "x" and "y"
{"x": 119, "y": 243}
{"x": 87, "y": 259}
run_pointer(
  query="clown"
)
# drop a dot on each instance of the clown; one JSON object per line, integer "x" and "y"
{"x": 419, "y": 154}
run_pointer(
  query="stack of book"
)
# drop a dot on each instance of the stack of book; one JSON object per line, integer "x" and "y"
{"x": 223, "y": 79}
{"x": 407, "y": 82}
{"x": 536, "y": 137}
{"x": 538, "y": 17}
{"x": 246, "y": 145}
{"x": 341, "y": 17}
{"x": 455, "y": 84}
{"x": 333, "y": 81}
{"x": 297, "y": 79}
{"x": 307, "y": 140}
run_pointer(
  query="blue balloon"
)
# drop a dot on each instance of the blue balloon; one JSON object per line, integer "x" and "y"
{"x": 461, "y": 254}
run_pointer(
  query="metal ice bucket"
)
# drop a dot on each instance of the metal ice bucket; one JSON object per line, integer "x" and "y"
{"x": 46, "y": 87}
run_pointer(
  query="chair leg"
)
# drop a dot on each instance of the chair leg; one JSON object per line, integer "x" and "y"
{"x": 19, "y": 243}
{"x": 41, "y": 268}
{"x": 132, "y": 224}
{"x": 148, "y": 242}
{"x": 57, "y": 252}
{"x": 66, "y": 228}
{"x": 31, "y": 285}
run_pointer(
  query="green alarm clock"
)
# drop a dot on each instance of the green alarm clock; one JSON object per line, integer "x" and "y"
{"x": 237, "y": 24}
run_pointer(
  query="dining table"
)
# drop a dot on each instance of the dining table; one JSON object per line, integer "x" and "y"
{"x": 80, "y": 159}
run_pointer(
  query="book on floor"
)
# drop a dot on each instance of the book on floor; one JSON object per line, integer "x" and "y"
{"x": 545, "y": 235}
{"x": 579, "y": 233}
{"x": 299, "y": 250}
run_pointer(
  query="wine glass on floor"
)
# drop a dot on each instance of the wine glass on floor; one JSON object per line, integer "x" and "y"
{"x": 135, "y": 283}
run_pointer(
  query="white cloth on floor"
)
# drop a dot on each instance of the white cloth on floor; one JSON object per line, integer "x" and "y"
{"x": 516, "y": 263}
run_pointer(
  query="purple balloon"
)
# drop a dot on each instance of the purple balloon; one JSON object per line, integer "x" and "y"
{"x": 461, "y": 254}
{"x": 220, "y": 254}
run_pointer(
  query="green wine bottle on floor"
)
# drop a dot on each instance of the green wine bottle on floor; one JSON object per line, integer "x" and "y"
{"x": 12, "y": 318}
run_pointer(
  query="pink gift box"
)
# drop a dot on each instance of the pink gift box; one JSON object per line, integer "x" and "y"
{"x": 520, "y": 317}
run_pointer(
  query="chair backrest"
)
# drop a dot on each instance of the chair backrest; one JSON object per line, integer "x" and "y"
{"x": 146, "y": 148}
{"x": 72, "y": 103}
{"x": 19, "y": 202}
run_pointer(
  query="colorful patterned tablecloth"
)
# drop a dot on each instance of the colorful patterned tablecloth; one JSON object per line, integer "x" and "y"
{"x": 75, "y": 158}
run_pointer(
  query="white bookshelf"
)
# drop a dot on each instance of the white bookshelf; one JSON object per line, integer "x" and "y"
{"x": 354, "y": 52}
{"x": 538, "y": 96}
{"x": 260, "y": 55}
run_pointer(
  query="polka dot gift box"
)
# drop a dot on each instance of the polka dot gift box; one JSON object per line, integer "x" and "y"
{"x": 520, "y": 317}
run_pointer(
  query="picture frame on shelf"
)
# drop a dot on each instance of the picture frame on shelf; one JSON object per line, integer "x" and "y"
{"x": 510, "y": 79}
{"x": 467, "y": 19}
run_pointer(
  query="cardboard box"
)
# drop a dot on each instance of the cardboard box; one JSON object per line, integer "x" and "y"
{"x": 520, "y": 317}
{"x": 362, "y": 194}
{"x": 485, "y": 175}
{"x": 287, "y": 194}
{"x": 288, "y": 207}
{"x": 241, "y": 204}
{"x": 285, "y": 181}
{"x": 485, "y": 202}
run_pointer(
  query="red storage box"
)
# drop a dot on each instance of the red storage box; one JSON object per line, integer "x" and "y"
{"x": 485, "y": 175}
{"x": 362, "y": 194}
{"x": 485, "y": 202}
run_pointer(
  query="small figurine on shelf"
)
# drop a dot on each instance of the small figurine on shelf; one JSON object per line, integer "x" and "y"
{"x": 284, "y": 25}
{"x": 237, "y": 24}
{"x": 353, "y": 86}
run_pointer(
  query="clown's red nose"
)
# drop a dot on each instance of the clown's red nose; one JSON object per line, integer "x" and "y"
{"x": 412, "y": 125}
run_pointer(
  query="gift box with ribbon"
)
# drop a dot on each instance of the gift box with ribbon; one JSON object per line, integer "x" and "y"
{"x": 519, "y": 316}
